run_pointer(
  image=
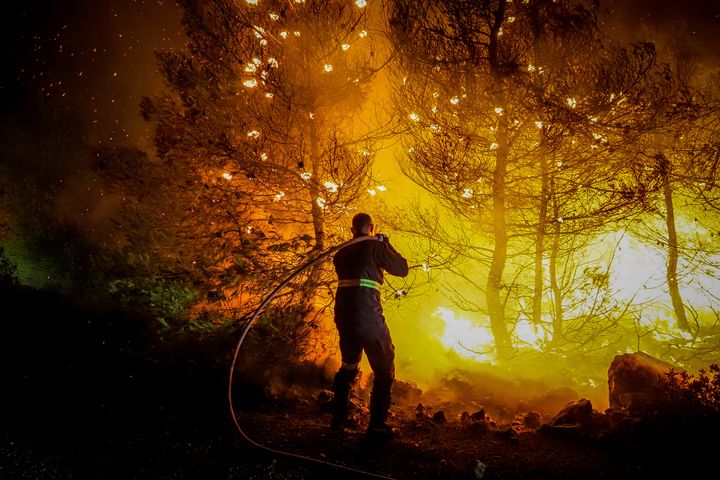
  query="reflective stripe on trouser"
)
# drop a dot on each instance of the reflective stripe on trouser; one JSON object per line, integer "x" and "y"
{"x": 359, "y": 282}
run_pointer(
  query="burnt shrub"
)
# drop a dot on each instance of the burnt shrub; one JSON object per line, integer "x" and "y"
{"x": 687, "y": 413}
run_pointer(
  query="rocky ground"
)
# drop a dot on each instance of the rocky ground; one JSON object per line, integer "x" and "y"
{"x": 85, "y": 395}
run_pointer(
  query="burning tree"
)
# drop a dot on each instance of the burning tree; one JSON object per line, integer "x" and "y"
{"x": 522, "y": 118}
{"x": 259, "y": 125}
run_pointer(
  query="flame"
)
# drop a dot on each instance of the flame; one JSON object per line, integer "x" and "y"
{"x": 464, "y": 338}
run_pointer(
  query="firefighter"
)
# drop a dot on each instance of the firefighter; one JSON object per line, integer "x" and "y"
{"x": 361, "y": 325}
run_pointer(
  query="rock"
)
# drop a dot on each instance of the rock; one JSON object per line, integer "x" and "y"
{"x": 325, "y": 400}
{"x": 439, "y": 417}
{"x": 532, "y": 420}
{"x": 421, "y": 412}
{"x": 576, "y": 413}
{"x": 479, "y": 415}
{"x": 479, "y": 470}
{"x": 509, "y": 433}
{"x": 404, "y": 392}
{"x": 634, "y": 380}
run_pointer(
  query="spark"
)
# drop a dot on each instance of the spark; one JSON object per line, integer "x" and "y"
{"x": 425, "y": 267}
{"x": 272, "y": 62}
{"x": 372, "y": 192}
{"x": 434, "y": 109}
{"x": 328, "y": 67}
{"x": 274, "y": 16}
{"x": 306, "y": 176}
{"x": 454, "y": 100}
{"x": 253, "y": 134}
{"x": 539, "y": 124}
{"x": 436, "y": 94}
{"x": 296, "y": 33}
{"x": 321, "y": 202}
{"x": 511, "y": 19}
{"x": 414, "y": 117}
{"x": 269, "y": 95}
{"x": 278, "y": 196}
{"x": 250, "y": 68}
{"x": 467, "y": 193}
{"x": 345, "y": 47}
{"x": 311, "y": 115}
{"x": 227, "y": 176}
{"x": 366, "y": 152}
{"x": 435, "y": 127}
{"x": 361, "y": 3}
{"x": 283, "y": 34}
{"x": 571, "y": 102}
{"x": 531, "y": 68}
{"x": 499, "y": 110}
{"x": 363, "y": 33}
{"x": 400, "y": 293}
{"x": 560, "y": 219}
{"x": 263, "y": 157}
{"x": 251, "y": 2}
{"x": 381, "y": 188}
{"x": 494, "y": 146}
{"x": 252, "y": 83}
{"x": 500, "y": 32}
{"x": 259, "y": 31}
{"x": 331, "y": 187}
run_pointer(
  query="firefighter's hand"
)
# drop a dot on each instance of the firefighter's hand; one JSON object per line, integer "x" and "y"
{"x": 383, "y": 238}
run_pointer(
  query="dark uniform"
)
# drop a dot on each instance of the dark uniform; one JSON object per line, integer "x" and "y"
{"x": 361, "y": 325}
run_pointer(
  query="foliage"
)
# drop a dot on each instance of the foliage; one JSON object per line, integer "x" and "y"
{"x": 8, "y": 270}
{"x": 692, "y": 396}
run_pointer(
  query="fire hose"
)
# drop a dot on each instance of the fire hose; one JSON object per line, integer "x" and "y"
{"x": 245, "y": 331}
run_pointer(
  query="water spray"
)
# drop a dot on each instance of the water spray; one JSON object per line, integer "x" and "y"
{"x": 247, "y": 328}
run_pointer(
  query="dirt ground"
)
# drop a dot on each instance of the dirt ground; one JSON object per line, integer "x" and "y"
{"x": 86, "y": 396}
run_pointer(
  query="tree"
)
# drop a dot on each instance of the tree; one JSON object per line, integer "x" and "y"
{"x": 258, "y": 125}
{"x": 520, "y": 120}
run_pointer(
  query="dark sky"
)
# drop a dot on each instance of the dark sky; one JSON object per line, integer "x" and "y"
{"x": 87, "y": 63}
{"x": 91, "y": 57}
{"x": 96, "y": 57}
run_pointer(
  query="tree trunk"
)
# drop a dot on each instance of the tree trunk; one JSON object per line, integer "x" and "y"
{"x": 540, "y": 243}
{"x": 672, "y": 261}
{"x": 558, "y": 314}
{"x": 316, "y": 210}
{"x": 555, "y": 285}
{"x": 496, "y": 308}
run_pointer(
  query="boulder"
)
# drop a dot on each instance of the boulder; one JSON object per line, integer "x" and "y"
{"x": 634, "y": 380}
{"x": 575, "y": 413}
